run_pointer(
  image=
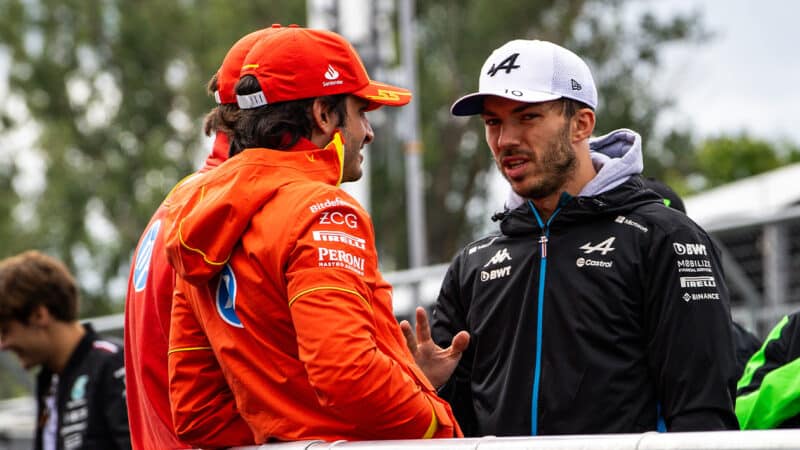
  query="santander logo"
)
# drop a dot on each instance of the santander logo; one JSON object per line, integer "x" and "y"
{"x": 331, "y": 73}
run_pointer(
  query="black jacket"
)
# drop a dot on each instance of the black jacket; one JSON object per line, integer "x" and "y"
{"x": 609, "y": 317}
{"x": 92, "y": 414}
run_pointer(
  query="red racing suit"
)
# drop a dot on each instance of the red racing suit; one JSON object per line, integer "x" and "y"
{"x": 147, "y": 323}
{"x": 280, "y": 268}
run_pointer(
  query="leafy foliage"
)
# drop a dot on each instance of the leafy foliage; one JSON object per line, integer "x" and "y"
{"x": 726, "y": 158}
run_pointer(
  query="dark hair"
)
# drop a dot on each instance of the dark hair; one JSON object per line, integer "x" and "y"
{"x": 569, "y": 106}
{"x": 278, "y": 126}
{"x": 31, "y": 279}
{"x": 223, "y": 117}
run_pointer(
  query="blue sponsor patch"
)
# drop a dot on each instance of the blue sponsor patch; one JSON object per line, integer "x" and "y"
{"x": 226, "y": 297}
{"x": 143, "y": 256}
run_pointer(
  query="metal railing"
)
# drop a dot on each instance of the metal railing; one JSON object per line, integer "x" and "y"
{"x": 711, "y": 440}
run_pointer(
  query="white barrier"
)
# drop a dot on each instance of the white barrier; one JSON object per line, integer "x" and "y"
{"x": 710, "y": 440}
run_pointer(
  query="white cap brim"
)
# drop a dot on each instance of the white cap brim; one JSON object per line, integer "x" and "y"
{"x": 472, "y": 104}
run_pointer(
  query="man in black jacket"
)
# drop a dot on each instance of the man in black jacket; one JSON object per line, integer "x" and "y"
{"x": 594, "y": 308}
{"x": 80, "y": 388}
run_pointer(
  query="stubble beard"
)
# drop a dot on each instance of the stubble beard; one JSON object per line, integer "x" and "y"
{"x": 556, "y": 166}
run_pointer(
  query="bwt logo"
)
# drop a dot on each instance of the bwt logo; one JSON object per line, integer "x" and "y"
{"x": 495, "y": 273}
{"x": 689, "y": 249}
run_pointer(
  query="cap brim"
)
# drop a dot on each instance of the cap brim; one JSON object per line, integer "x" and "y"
{"x": 472, "y": 104}
{"x": 382, "y": 94}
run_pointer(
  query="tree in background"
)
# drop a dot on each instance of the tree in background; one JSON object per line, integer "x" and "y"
{"x": 724, "y": 159}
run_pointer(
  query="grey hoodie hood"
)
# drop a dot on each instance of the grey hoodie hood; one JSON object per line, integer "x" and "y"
{"x": 616, "y": 157}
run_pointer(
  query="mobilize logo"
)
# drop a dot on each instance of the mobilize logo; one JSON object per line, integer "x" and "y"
{"x": 329, "y": 257}
{"x": 332, "y": 75}
{"x": 495, "y": 274}
{"x": 694, "y": 265}
{"x": 339, "y": 218}
{"x": 702, "y": 281}
{"x": 339, "y": 236}
{"x": 603, "y": 247}
{"x": 500, "y": 256}
{"x": 689, "y": 249}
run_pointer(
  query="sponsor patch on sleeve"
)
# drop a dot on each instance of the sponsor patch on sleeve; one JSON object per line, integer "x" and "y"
{"x": 695, "y": 273}
{"x": 339, "y": 236}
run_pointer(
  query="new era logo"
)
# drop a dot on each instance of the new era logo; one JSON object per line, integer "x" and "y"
{"x": 575, "y": 85}
{"x": 331, "y": 73}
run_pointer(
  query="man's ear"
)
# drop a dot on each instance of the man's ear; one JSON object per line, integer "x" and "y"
{"x": 324, "y": 120}
{"x": 582, "y": 124}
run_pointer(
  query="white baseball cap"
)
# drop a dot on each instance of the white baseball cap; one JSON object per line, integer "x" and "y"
{"x": 532, "y": 72}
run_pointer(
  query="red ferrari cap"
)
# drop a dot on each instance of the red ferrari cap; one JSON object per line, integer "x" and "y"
{"x": 296, "y": 63}
{"x": 228, "y": 73}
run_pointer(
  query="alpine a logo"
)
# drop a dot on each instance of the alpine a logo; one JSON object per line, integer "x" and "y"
{"x": 603, "y": 247}
{"x": 143, "y": 256}
{"x": 226, "y": 297}
{"x": 508, "y": 64}
{"x": 499, "y": 257}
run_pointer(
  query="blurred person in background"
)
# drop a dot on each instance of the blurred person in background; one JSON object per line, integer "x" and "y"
{"x": 80, "y": 388}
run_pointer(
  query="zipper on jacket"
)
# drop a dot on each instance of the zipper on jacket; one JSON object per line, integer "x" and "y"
{"x": 543, "y": 240}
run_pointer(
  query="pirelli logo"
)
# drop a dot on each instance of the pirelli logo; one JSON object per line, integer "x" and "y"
{"x": 339, "y": 236}
{"x": 696, "y": 282}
